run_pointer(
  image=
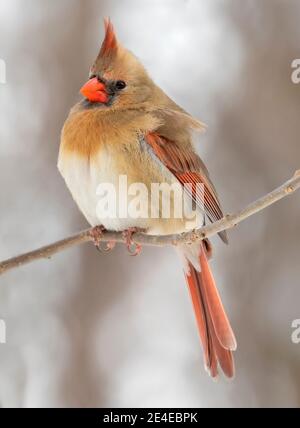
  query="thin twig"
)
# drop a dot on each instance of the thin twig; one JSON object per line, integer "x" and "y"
{"x": 227, "y": 222}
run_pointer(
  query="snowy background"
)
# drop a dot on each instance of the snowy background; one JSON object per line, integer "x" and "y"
{"x": 91, "y": 330}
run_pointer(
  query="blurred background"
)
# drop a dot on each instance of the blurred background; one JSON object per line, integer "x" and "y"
{"x": 91, "y": 330}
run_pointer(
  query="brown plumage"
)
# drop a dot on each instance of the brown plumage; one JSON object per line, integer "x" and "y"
{"x": 127, "y": 126}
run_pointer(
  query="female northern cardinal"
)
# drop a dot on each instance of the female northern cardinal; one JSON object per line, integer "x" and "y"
{"x": 126, "y": 125}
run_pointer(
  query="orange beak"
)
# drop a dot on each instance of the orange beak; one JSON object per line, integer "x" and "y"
{"x": 94, "y": 91}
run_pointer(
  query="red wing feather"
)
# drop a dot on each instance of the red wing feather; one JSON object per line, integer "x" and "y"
{"x": 188, "y": 168}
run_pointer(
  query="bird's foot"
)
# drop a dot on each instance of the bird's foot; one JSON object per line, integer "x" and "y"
{"x": 96, "y": 234}
{"x": 133, "y": 248}
{"x": 208, "y": 248}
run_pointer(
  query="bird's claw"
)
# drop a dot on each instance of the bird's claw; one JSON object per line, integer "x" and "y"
{"x": 106, "y": 247}
{"x": 96, "y": 234}
{"x": 208, "y": 248}
{"x": 133, "y": 248}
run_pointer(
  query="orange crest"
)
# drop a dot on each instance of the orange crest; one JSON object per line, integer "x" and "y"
{"x": 109, "y": 44}
{"x": 108, "y": 49}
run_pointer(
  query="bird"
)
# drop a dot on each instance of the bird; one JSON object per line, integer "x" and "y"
{"x": 127, "y": 126}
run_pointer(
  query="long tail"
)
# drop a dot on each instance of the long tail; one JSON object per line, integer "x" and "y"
{"x": 216, "y": 335}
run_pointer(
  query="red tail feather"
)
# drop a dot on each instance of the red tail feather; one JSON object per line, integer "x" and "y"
{"x": 215, "y": 331}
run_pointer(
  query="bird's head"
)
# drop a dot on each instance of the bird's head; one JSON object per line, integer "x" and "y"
{"x": 117, "y": 78}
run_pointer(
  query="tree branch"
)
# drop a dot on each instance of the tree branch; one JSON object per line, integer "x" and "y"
{"x": 227, "y": 222}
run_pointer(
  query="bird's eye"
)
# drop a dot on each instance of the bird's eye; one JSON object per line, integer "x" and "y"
{"x": 120, "y": 84}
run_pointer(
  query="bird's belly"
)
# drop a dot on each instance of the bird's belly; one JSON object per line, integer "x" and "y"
{"x": 98, "y": 188}
{"x": 102, "y": 193}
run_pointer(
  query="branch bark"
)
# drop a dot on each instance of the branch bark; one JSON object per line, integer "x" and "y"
{"x": 227, "y": 222}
